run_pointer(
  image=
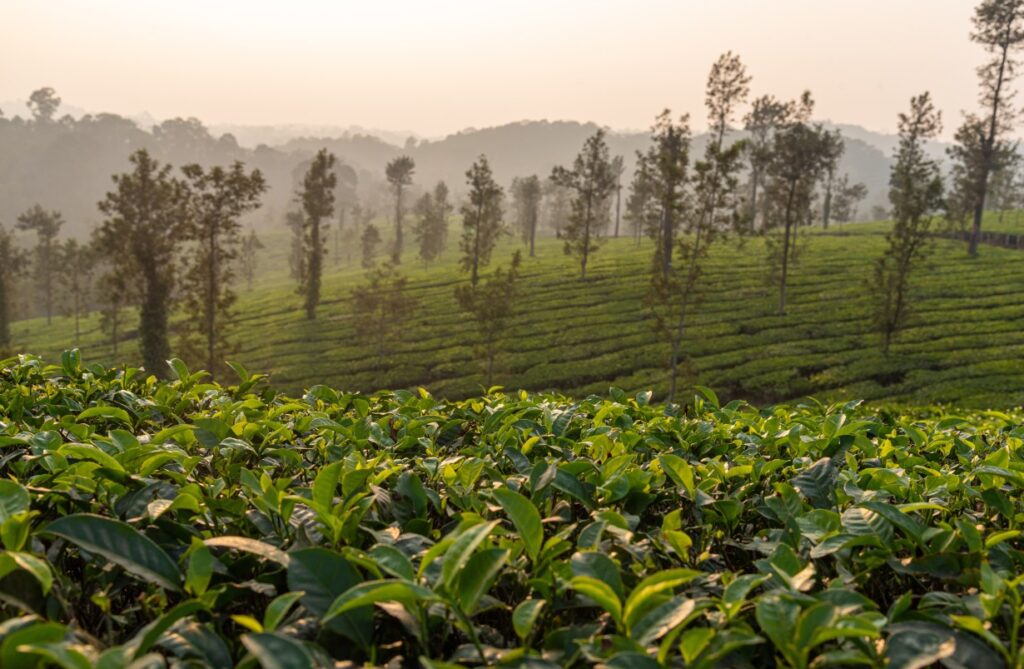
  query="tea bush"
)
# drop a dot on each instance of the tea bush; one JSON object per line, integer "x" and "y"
{"x": 188, "y": 524}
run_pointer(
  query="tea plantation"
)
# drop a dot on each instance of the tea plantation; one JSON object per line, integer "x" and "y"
{"x": 186, "y": 524}
{"x": 963, "y": 344}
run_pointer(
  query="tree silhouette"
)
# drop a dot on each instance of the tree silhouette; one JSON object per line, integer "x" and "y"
{"x": 399, "y": 173}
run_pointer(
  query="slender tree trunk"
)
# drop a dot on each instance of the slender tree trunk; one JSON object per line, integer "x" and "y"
{"x": 826, "y": 211}
{"x": 618, "y": 207}
{"x": 396, "y": 256}
{"x": 755, "y": 178}
{"x": 533, "y": 231}
{"x": 684, "y": 304}
{"x": 211, "y": 299}
{"x": 988, "y": 152}
{"x": 785, "y": 250}
{"x": 48, "y": 280}
{"x": 78, "y": 311}
{"x": 115, "y": 319}
{"x": 586, "y": 240}
{"x": 667, "y": 225}
{"x": 475, "y": 275}
{"x": 315, "y": 258}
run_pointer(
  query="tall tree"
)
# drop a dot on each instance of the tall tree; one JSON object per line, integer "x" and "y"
{"x": 835, "y": 147}
{"x": 382, "y": 309}
{"x": 766, "y": 114}
{"x": 141, "y": 235}
{"x": 12, "y": 261}
{"x": 399, "y": 173}
{"x": 712, "y": 212}
{"x": 526, "y": 197}
{"x": 665, "y": 169}
{"x": 981, "y": 146}
{"x": 915, "y": 191}
{"x": 251, "y": 245}
{"x": 482, "y": 214}
{"x": 46, "y": 225}
{"x": 433, "y": 209}
{"x": 218, "y": 198}
{"x": 491, "y": 305}
{"x": 76, "y": 264}
{"x": 591, "y": 181}
{"x": 800, "y": 154}
{"x": 317, "y": 198}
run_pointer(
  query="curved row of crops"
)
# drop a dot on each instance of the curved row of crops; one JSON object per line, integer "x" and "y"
{"x": 186, "y": 524}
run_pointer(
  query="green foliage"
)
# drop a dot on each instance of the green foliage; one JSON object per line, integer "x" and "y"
{"x": 526, "y": 198}
{"x": 482, "y": 214}
{"x": 217, "y": 199}
{"x": 592, "y": 182}
{"x": 46, "y": 225}
{"x": 433, "y": 209}
{"x": 982, "y": 146}
{"x": 802, "y": 153}
{"x": 916, "y": 195}
{"x": 212, "y": 526}
{"x": 317, "y": 198}
{"x": 141, "y": 236}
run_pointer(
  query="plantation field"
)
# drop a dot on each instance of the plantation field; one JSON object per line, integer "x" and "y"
{"x": 191, "y": 525}
{"x": 962, "y": 347}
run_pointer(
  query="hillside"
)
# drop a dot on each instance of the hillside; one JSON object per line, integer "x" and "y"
{"x": 963, "y": 346}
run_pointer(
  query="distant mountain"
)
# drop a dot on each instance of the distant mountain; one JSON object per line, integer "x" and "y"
{"x": 67, "y": 165}
{"x": 884, "y": 142}
{"x": 535, "y": 147}
{"x": 251, "y": 136}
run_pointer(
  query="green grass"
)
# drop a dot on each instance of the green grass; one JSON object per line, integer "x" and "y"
{"x": 963, "y": 346}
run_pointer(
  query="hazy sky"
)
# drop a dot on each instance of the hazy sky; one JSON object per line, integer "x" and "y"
{"x": 437, "y": 66}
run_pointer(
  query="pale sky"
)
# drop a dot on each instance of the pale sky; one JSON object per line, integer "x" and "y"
{"x": 438, "y": 66}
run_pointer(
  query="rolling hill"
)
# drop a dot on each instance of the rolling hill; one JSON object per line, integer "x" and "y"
{"x": 963, "y": 346}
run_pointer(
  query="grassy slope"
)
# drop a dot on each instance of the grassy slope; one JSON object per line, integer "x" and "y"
{"x": 964, "y": 344}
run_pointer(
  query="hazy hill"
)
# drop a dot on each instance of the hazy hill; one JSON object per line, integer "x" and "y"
{"x": 67, "y": 164}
